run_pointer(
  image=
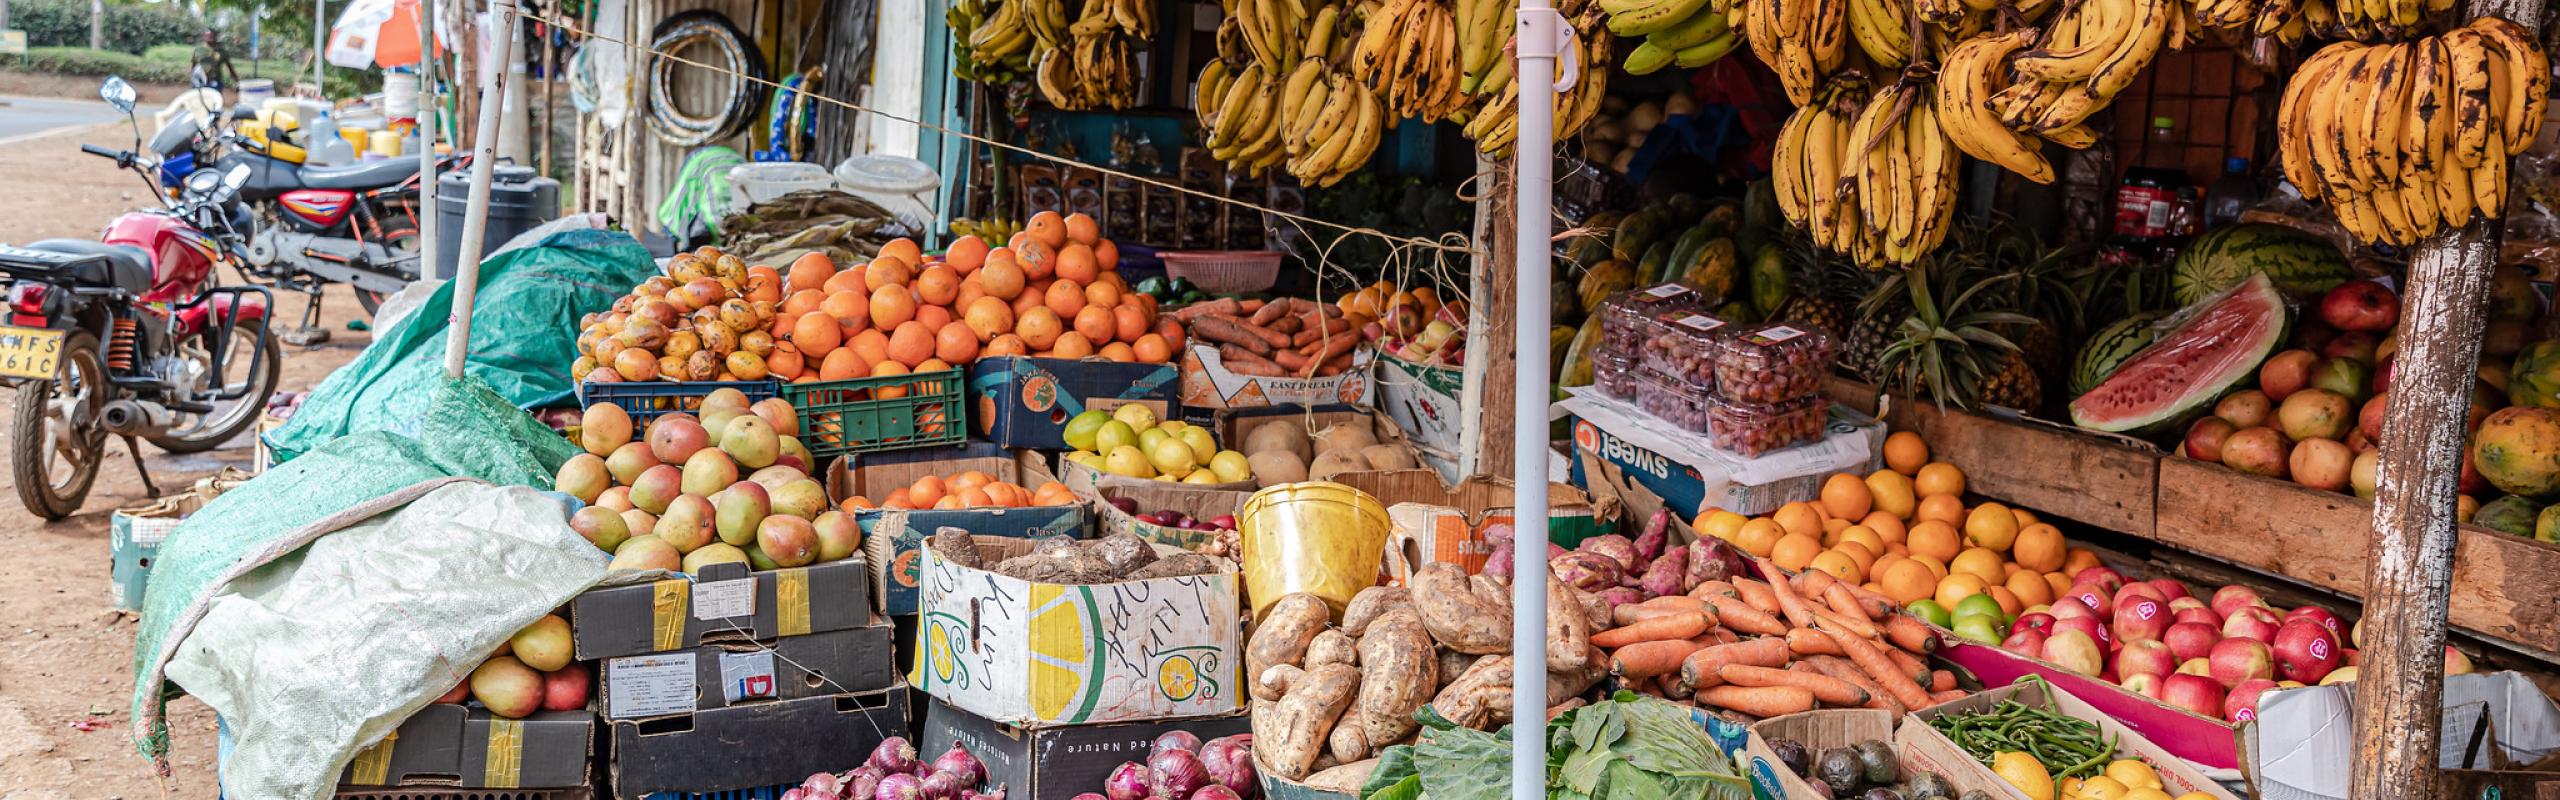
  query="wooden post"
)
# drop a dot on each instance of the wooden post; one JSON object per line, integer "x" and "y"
{"x": 1496, "y": 298}
{"x": 2410, "y": 578}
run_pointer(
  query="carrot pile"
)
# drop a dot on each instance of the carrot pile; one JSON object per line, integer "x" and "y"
{"x": 1779, "y": 647}
{"x": 1286, "y": 337}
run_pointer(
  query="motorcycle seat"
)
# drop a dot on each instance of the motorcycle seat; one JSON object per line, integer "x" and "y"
{"x": 120, "y": 266}
{"x": 371, "y": 175}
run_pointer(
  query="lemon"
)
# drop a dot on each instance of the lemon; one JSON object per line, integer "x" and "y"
{"x": 1138, "y": 416}
{"x": 1202, "y": 477}
{"x": 1202, "y": 446}
{"x": 2024, "y": 773}
{"x": 2102, "y": 787}
{"x": 1081, "y": 430}
{"x": 1173, "y": 425}
{"x": 1171, "y": 457}
{"x": 2133, "y": 773}
{"x": 1126, "y": 460}
{"x": 1231, "y": 466}
{"x": 1114, "y": 435}
{"x": 2146, "y": 793}
{"x": 1148, "y": 437}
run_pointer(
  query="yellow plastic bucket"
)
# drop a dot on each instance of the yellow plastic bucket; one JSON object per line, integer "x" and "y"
{"x": 385, "y": 143}
{"x": 1315, "y": 536}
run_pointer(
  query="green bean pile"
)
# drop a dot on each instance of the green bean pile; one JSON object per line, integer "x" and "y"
{"x": 2066, "y": 745}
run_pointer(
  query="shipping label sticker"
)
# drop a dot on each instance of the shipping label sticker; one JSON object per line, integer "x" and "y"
{"x": 636, "y": 687}
{"x": 790, "y": 602}
{"x": 724, "y": 599}
{"x": 1666, "y": 291}
{"x": 667, "y": 601}
{"x": 505, "y": 767}
{"x": 748, "y": 676}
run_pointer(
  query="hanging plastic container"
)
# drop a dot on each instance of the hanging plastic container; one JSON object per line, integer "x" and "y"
{"x": 384, "y": 143}
{"x": 904, "y": 186}
{"x": 1318, "y": 537}
{"x": 766, "y": 181}
{"x": 255, "y": 92}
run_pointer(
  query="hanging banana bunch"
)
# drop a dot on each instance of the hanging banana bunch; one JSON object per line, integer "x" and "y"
{"x": 1905, "y": 171}
{"x": 2090, "y": 53}
{"x": 1495, "y": 126}
{"x": 1096, "y": 66}
{"x": 1967, "y": 77}
{"x": 1806, "y": 169}
{"x": 1484, "y": 26}
{"x": 1685, "y": 33}
{"x": 991, "y": 42}
{"x": 1804, "y": 41}
{"x": 1306, "y": 114}
{"x": 1408, "y": 54}
{"x": 2366, "y": 19}
{"x": 2289, "y": 21}
{"x": 2403, "y": 140}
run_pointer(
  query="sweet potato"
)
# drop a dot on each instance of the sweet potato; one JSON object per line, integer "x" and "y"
{"x": 1458, "y": 617}
{"x": 1299, "y": 725}
{"x": 1287, "y": 627}
{"x": 1562, "y": 686}
{"x": 1242, "y": 361}
{"x": 1453, "y": 664}
{"x": 1656, "y": 534}
{"x": 1665, "y": 575}
{"x": 1595, "y": 607}
{"x": 1273, "y": 683}
{"x": 1331, "y": 647}
{"x": 1344, "y": 779}
{"x": 1568, "y": 629}
{"x": 1370, "y": 604}
{"x": 1229, "y": 330}
{"x": 1477, "y": 695}
{"x": 1223, "y": 305}
{"x": 1347, "y": 743}
{"x": 1400, "y": 673}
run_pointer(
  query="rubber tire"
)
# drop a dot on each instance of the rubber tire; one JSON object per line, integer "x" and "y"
{"x": 274, "y": 369}
{"x": 26, "y": 430}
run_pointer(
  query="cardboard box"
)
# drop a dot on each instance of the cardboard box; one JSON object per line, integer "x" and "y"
{"x": 1057, "y": 763}
{"x": 723, "y": 675}
{"x": 1433, "y": 523}
{"x": 1026, "y": 402}
{"x": 1935, "y": 752}
{"x": 1201, "y": 502}
{"x": 449, "y": 745}
{"x": 1828, "y": 728}
{"x": 133, "y": 540}
{"x": 2203, "y": 740}
{"x": 1425, "y": 400}
{"x": 1027, "y": 653}
{"x": 1234, "y": 426}
{"x": 725, "y": 603}
{"x": 1206, "y": 383}
{"x": 891, "y": 538}
{"x": 754, "y": 745}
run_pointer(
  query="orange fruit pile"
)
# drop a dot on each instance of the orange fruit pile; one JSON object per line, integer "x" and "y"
{"x": 1054, "y": 290}
{"x": 971, "y": 489}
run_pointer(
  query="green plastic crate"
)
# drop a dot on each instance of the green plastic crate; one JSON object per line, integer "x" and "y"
{"x": 850, "y": 416}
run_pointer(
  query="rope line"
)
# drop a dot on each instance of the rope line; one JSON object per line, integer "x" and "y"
{"x": 1302, "y": 220}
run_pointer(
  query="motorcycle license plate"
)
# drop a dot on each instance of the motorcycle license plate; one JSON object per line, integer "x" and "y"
{"x": 29, "y": 352}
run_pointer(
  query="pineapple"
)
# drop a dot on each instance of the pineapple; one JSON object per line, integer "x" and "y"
{"x": 1948, "y": 346}
{"x": 1820, "y": 299}
{"x": 2015, "y": 384}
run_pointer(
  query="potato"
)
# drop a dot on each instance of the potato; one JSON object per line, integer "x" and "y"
{"x": 1345, "y": 779}
{"x": 1399, "y": 673}
{"x": 1287, "y": 627}
{"x": 1568, "y": 629}
{"x": 1478, "y": 694}
{"x": 1332, "y": 647}
{"x": 1457, "y": 615}
{"x": 1347, "y": 743}
{"x": 1274, "y": 683}
{"x": 1370, "y": 604}
{"x": 1387, "y": 456}
{"x": 1344, "y": 437}
{"x": 1298, "y": 726}
{"x": 1279, "y": 436}
{"x": 1335, "y": 462}
{"x": 1275, "y": 467}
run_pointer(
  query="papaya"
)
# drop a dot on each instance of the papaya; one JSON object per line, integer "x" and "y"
{"x": 1769, "y": 280}
{"x": 1711, "y": 268}
{"x": 1564, "y": 302}
{"x": 1607, "y": 278}
{"x": 1560, "y": 346}
{"x": 1577, "y": 359}
{"x": 1761, "y": 218}
{"x": 1587, "y": 250}
{"x": 1684, "y": 205}
{"x": 1685, "y": 249}
{"x": 1723, "y": 218}
{"x": 1656, "y": 266}
{"x": 1639, "y": 232}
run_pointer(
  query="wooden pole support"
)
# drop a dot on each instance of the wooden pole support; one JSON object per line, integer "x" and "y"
{"x": 2409, "y": 582}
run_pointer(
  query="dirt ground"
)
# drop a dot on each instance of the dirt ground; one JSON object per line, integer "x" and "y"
{"x": 65, "y": 657}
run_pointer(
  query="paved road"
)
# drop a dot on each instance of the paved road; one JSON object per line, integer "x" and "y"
{"x": 22, "y": 116}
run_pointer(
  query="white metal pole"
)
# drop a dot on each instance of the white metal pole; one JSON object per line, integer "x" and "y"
{"x": 320, "y": 47}
{"x": 484, "y": 160}
{"x": 427, "y": 110}
{"x": 1533, "y": 168}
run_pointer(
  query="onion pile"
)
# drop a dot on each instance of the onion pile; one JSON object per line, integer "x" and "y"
{"x": 1180, "y": 767}
{"x": 894, "y": 773}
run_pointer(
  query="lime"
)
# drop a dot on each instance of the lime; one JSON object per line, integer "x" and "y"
{"x": 1082, "y": 429}
{"x": 1983, "y": 604}
{"x": 1929, "y": 611}
{"x": 1984, "y": 628}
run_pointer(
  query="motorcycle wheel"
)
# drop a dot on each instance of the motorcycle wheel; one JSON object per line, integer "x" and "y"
{"x": 55, "y": 442}
{"x": 399, "y": 233}
{"x": 211, "y": 430}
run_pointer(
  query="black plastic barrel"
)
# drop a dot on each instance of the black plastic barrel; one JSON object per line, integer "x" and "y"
{"x": 519, "y": 200}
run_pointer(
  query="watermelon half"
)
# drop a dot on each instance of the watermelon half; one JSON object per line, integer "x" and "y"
{"x": 2220, "y": 344}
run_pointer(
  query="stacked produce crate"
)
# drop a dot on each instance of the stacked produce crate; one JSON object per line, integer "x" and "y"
{"x": 522, "y": 720}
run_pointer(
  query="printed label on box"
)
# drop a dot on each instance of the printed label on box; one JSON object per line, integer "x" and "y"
{"x": 649, "y": 686}
{"x": 724, "y": 599}
{"x": 152, "y": 531}
{"x": 747, "y": 676}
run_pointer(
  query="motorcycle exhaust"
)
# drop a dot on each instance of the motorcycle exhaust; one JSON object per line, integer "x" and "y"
{"x": 137, "y": 418}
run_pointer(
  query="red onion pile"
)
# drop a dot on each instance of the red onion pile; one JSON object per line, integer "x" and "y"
{"x": 894, "y": 773}
{"x": 1181, "y": 767}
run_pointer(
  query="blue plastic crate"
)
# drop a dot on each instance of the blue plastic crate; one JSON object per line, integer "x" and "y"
{"x": 647, "y": 400}
{"x": 758, "y": 793}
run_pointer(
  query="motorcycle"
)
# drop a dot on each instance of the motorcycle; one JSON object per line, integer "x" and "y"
{"x": 128, "y": 336}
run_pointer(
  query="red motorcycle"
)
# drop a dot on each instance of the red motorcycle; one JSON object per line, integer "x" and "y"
{"x": 127, "y": 336}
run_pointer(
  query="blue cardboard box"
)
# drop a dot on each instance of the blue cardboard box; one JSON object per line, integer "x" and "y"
{"x": 1026, "y": 402}
{"x": 892, "y": 538}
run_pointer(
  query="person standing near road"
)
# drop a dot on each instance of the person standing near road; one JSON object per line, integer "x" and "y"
{"x": 212, "y": 66}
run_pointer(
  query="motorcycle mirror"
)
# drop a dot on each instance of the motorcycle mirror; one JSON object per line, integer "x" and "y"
{"x": 117, "y": 93}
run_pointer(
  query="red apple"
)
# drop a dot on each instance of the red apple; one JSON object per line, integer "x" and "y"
{"x": 2188, "y": 640}
{"x": 2305, "y": 651}
{"x": 2197, "y": 694}
{"x": 2075, "y": 651}
{"x": 2456, "y": 662}
{"x": 2097, "y": 598}
{"x": 2360, "y": 306}
{"x": 2251, "y": 622}
{"x": 2357, "y": 345}
{"x": 2196, "y": 613}
{"x": 2139, "y": 618}
{"x": 565, "y": 689}
{"x": 2037, "y": 621}
{"x": 2229, "y": 597}
{"x": 2027, "y": 642}
{"x": 2195, "y": 666}
{"x": 460, "y": 691}
{"x": 2105, "y": 578}
{"x": 2089, "y": 626}
{"x": 2144, "y": 684}
{"x": 2355, "y": 656}
{"x": 2325, "y": 617}
{"x": 2170, "y": 590}
{"x": 2141, "y": 589}
{"x": 2236, "y": 660}
{"x": 2070, "y": 605}
{"x": 2241, "y": 705}
{"x": 2145, "y": 657}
